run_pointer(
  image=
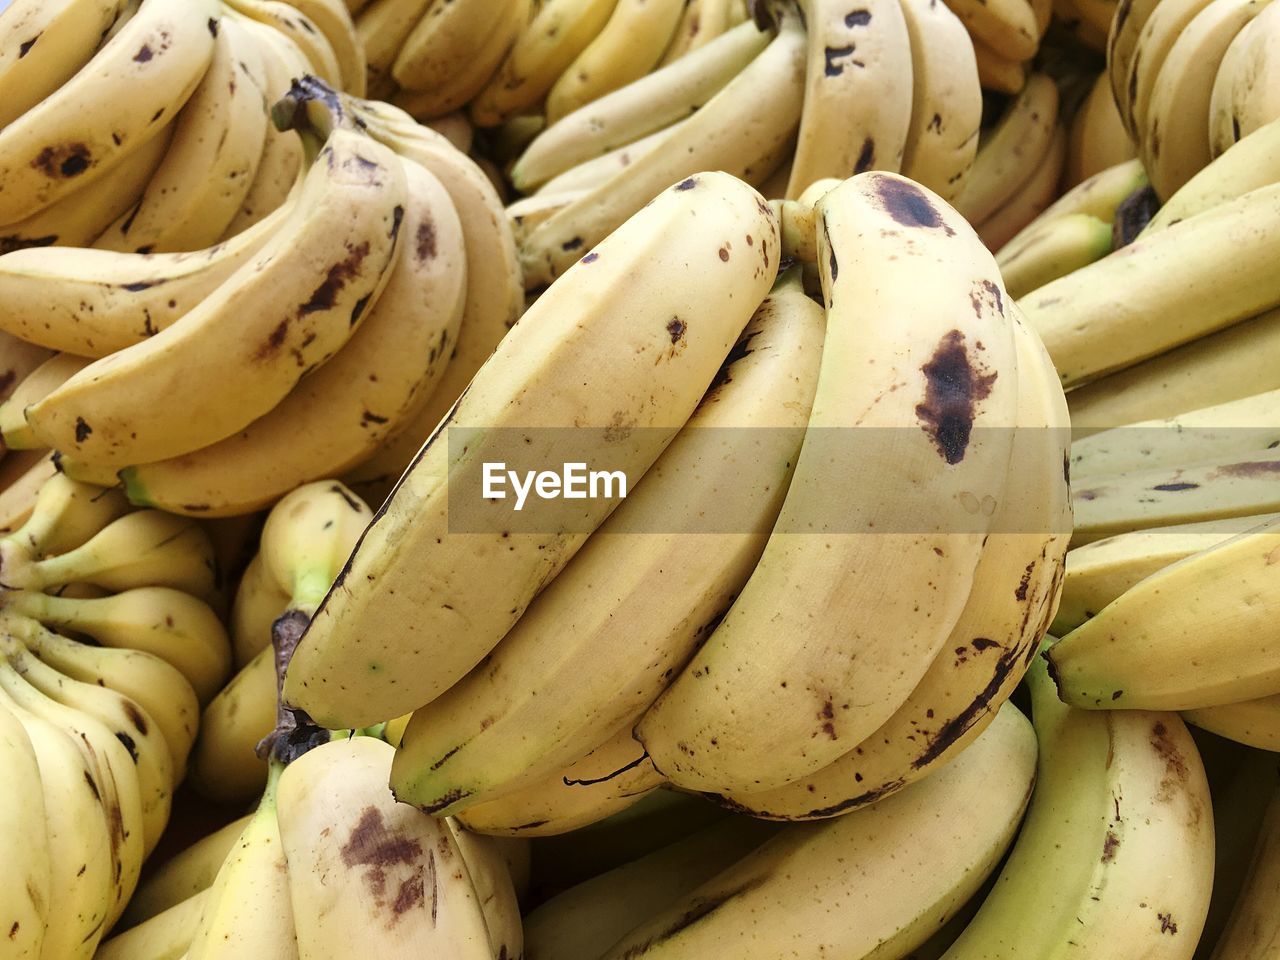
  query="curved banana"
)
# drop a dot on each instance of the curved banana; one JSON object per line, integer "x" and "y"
{"x": 336, "y": 24}
{"x": 1255, "y": 723}
{"x": 750, "y": 712}
{"x": 285, "y": 311}
{"x": 1246, "y": 90}
{"x": 590, "y": 174}
{"x": 1099, "y": 140}
{"x": 641, "y": 107}
{"x": 26, "y": 902}
{"x": 1161, "y": 30}
{"x": 22, "y": 475}
{"x": 1008, "y": 28}
{"x": 946, "y": 109}
{"x": 37, "y": 385}
{"x": 701, "y": 23}
{"x": 224, "y": 763}
{"x": 1034, "y": 195}
{"x": 65, "y": 515}
{"x": 857, "y": 93}
{"x": 1045, "y": 251}
{"x": 1251, "y": 931}
{"x": 741, "y": 131}
{"x": 297, "y": 27}
{"x": 627, "y": 48}
{"x": 494, "y": 888}
{"x": 628, "y": 604}
{"x": 1098, "y": 196}
{"x": 19, "y": 358}
{"x": 165, "y": 936}
{"x": 999, "y": 73}
{"x": 649, "y": 389}
{"x": 382, "y": 28}
{"x": 259, "y": 601}
{"x": 133, "y": 85}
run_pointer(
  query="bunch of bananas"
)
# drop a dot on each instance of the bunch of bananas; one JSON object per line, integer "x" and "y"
{"x": 108, "y": 647}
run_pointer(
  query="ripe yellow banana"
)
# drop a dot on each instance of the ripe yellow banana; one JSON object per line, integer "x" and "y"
{"x": 751, "y": 712}
{"x": 1255, "y": 723}
{"x": 166, "y": 936}
{"x": 42, "y": 381}
{"x": 1047, "y": 250}
{"x": 258, "y": 602}
{"x": 1099, "y": 140}
{"x": 335, "y": 23}
{"x": 1006, "y": 27}
{"x": 999, "y": 73}
{"x": 285, "y": 311}
{"x": 133, "y": 85}
{"x": 22, "y": 474}
{"x": 183, "y": 877}
{"x": 648, "y": 389}
{"x": 64, "y": 516}
{"x": 1035, "y": 194}
{"x": 1127, "y": 25}
{"x": 298, "y": 28}
{"x": 701, "y": 22}
{"x": 1160, "y": 31}
{"x": 382, "y": 29}
{"x": 1246, "y": 89}
{"x": 857, "y": 93}
{"x": 224, "y": 764}
{"x": 495, "y": 889}
{"x": 26, "y": 902}
{"x": 590, "y": 174}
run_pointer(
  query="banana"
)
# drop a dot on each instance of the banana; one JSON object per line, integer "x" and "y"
{"x": 1174, "y": 139}
{"x": 740, "y": 131}
{"x": 455, "y": 50}
{"x": 336, "y": 24}
{"x": 627, "y": 48}
{"x": 802, "y": 887}
{"x": 1127, "y": 24}
{"x": 590, "y": 174}
{"x": 43, "y": 45}
{"x": 1244, "y": 95}
{"x": 382, "y": 29}
{"x": 183, "y": 878}
{"x": 1159, "y": 32}
{"x": 213, "y": 156}
{"x": 134, "y": 84}
{"x": 165, "y": 936}
{"x": 26, "y": 902}
{"x": 167, "y": 623}
{"x": 627, "y": 604}
{"x": 78, "y": 835}
{"x": 1224, "y": 366}
{"x": 495, "y": 889}
{"x": 224, "y": 764}
{"x": 42, "y": 381}
{"x": 1255, "y": 723}
{"x": 993, "y": 641}
{"x": 1007, "y": 27}
{"x": 1228, "y": 486}
{"x": 285, "y": 311}
{"x": 92, "y": 303}
{"x": 455, "y": 127}
{"x": 1141, "y": 652}
{"x": 248, "y": 906}
{"x": 65, "y": 515}
{"x": 1032, "y": 198}
{"x": 299, "y": 28}
{"x": 999, "y": 73}
{"x": 337, "y": 823}
{"x": 1099, "y": 572}
{"x": 1007, "y": 158}
{"x": 700, "y": 24}
{"x": 22, "y": 474}
{"x": 607, "y": 780}
{"x": 18, "y": 359}
{"x": 525, "y": 214}
{"x": 946, "y": 109}
{"x": 1047, "y": 250}
{"x": 574, "y": 330}
{"x": 585, "y": 920}
{"x": 1091, "y": 328}
{"x": 750, "y": 713}
{"x": 338, "y": 415}
{"x": 858, "y": 91}
{"x": 1238, "y": 427}
{"x": 1116, "y": 855}
{"x": 1099, "y": 140}
{"x": 644, "y": 106}
{"x": 1251, "y": 931}
{"x": 1098, "y": 196}
{"x": 545, "y": 47}
{"x": 259, "y": 601}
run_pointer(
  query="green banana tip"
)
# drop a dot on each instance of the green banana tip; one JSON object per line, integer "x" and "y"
{"x": 134, "y": 489}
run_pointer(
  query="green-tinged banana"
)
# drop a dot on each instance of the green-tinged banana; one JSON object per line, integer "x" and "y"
{"x": 43, "y": 45}
{"x": 649, "y": 388}
{"x": 299, "y": 28}
{"x": 455, "y": 50}
{"x": 79, "y": 836}
{"x": 92, "y": 303}
{"x": 858, "y": 92}
{"x": 382, "y": 29}
{"x": 610, "y": 778}
{"x": 22, "y": 475}
{"x": 182, "y": 878}
{"x": 1236, "y": 485}
{"x": 1246, "y": 89}
{"x": 590, "y": 174}
{"x": 224, "y": 764}
{"x": 1008, "y": 156}
{"x": 1148, "y": 297}
{"x": 1116, "y": 855}
{"x": 212, "y": 159}
{"x": 1224, "y": 366}
{"x": 168, "y": 623}
{"x": 1238, "y": 427}
{"x": 336, "y": 819}
{"x": 740, "y": 131}
{"x": 1208, "y": 648}
{"x": 337, "y": 416}
{"x": 1255, "y": 723}
{"x": 37, "y": 385}
{"x": 286, "y": 310}
{"x": 132, "y": 86}
{"x": 165, "y": 936}
{"x": 993, "y": 641}
{"x": 1007, "y": 27}
{"x": 335, "y": 22}
{"x": 27, "y": 900}
{"x": 629, "y": 604}
{"x": 752, "y": 712}
{"x": 585, "y": 920}
{"x": 1098, "y": 196}
{"x": 845, "y": 887}
{"x": 1099, "y": 140}
{"x": 701, "y": 23}
{"x": 643, "y": 106}
{"x": 259, "y": 601}
{"x": 545, "y": 47}
{"x": 946, "y": 110}
{"x": 1099, "y": 572}
{"x": 1033, "y": 196}
{"x": 1174, "y": 138}
{"x": 999, "y": 73}
{"x": 1049, "y": 249}
{"x": 627, "y": 48}
{"x": 494, "y": 888}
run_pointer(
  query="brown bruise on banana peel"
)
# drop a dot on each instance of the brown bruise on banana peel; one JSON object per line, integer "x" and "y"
{"x": 954, "y": 386}
{"x": 908, "y": 204}
{"x": 373, "y": 846}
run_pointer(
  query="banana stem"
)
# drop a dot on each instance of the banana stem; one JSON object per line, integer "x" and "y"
{"x": 295, "y": 732}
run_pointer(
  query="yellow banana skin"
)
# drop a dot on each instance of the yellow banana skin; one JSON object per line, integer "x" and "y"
{"x": 25, "y": 904}
{"x": 259, "y": 600}
{"x": 42, "y": 381}
{"x": 1244, "y": 97}
{"x": 1251, "y": 930}
{"x": 135, "y": 84}
{"x": 1045, "y": 251}
{"x": 166, "y": 936}
{"x": 183, "y": 877}
{"x": 509, "y": 392}
{"x": 284, "y": 312}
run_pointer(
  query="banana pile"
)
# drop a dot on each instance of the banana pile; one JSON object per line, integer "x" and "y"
{"x": 108, "y": 649}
